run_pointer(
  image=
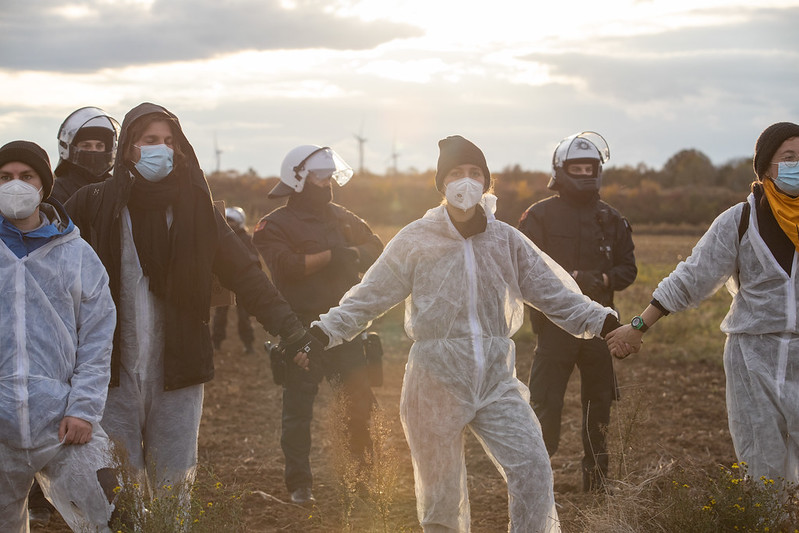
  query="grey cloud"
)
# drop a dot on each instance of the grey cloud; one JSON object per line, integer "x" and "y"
{"x": 33, "y": 36}
{"x": 674, "y": 65}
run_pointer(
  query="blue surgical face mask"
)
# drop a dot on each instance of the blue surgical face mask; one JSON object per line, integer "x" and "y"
{"x": 788, "y": 177}
{"x": 155, "y": 162}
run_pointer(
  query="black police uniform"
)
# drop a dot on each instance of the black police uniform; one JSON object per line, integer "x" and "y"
{"x": 283, "y": 238}
{"x": 219, "y": 327}
{"x": 69, "y": 178}
{"x": 591, "y": 238}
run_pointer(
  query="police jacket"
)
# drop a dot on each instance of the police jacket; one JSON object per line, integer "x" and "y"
{"x": 70, "y": 178}
{"x": 188, "y": 352}
{"x": 287, "y": 234}
{"x": 589, "y": 236}
{"x": 246, "y": 240}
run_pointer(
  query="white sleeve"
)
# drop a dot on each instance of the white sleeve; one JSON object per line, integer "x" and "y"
{"x": 711, "y": 263}
{"x": 546, "y": 286}
{"x": 384, "y": 285}
{"x": 96, "y": 321}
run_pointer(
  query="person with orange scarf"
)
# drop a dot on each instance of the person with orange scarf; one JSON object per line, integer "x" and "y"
{"x": 752, "y": 248}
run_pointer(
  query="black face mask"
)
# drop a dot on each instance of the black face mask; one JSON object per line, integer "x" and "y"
{"x": 313, "y": 198}
{"x": 579, "y": 197}
{"x": 96, "y": 163}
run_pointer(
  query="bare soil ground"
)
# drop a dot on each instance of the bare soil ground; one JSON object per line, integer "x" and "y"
{"x": 668, "y": 410}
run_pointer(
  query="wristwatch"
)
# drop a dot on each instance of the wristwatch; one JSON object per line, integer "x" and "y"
{"x": 638, "y": 323}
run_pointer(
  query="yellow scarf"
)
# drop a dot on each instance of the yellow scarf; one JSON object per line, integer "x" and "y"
{"x": 785, "y": 209}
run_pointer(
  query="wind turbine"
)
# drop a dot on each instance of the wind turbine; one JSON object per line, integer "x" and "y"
{"x": 218, "y": 154}
{"x": 361, "y": 140}
{"x": 394, "y": 156}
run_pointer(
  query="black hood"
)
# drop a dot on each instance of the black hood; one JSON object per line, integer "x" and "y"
{"x": 121, "y": 173}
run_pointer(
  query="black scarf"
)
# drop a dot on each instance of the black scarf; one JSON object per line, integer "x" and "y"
{"x": 579, "y": 198}
{"x": 147, "y": 204}
{"x": 312, "y": 199}
{"x": 177, "y": 261}
{"x": 477, "y": 224}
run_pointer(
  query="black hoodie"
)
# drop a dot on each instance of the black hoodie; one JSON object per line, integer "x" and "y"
{"x": 213, "y": 247}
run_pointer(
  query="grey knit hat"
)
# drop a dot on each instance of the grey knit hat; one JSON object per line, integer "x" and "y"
{"x": 769, "y": 142}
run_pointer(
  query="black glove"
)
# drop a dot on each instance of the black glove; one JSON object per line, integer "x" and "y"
{"x": 591, "y": 282}
{"x": 312, "y": 348}
{"x": 344, "y": 259}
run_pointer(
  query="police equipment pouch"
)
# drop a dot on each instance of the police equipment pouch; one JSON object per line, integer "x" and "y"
{"x": 277, "y": 362}
{"x": 373, "y": 350}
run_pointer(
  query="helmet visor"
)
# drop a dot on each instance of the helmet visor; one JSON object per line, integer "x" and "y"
{"x": 588, "y": 144}
{"x": 327, "y": 164}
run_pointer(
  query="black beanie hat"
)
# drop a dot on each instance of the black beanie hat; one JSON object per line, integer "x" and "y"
{"x": 454, "y": 151}
{"x": 94, "y": 133}
{"x": 33, "y": 155}
{"x": 769, "y": 142}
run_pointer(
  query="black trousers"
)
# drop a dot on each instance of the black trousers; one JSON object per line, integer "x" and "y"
{"x": 556, "y": 355}
{"x": 219, "y": 327}
{"x": 346, "y": 371}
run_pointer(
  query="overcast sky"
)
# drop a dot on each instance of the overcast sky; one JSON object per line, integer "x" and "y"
{"x": 263, "y": 76}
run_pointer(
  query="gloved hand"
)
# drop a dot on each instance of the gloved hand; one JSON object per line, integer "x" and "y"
{"x": 312, "y": 349}
{"x": 591, "y": 282}
{"x": 344, "y": 259}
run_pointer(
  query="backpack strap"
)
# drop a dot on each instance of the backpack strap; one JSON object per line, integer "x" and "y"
{"x": 743, "y": 224}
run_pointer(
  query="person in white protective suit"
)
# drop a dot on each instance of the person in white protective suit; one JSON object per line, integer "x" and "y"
{"x": 752, "y": 248}
{"x": 155, "y": 228}
{"x": 55, "y": 351}
{"x": 465, "y": 277}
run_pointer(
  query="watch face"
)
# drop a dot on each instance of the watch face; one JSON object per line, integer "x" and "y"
{"x": 637, "y": 322}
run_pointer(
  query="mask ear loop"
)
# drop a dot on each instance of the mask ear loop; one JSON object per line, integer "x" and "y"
{"x": 299, "y": 171}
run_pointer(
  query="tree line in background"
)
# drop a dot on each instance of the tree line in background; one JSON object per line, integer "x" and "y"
{"x": 688, "y": 192}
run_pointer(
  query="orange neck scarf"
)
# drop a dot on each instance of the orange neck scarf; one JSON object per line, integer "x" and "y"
{"x": 785, "y": 209}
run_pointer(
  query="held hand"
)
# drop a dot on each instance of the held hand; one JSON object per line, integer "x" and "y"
{"x": 302, "y": 361}
{"x": 307, "y": 354}
{"x": 74, "y": 430}
{"x": 623, "y": 341}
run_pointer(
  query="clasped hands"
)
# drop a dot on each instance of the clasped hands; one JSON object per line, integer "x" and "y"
{"x": 306, "y": 353}
{"x": 624, "y": 341}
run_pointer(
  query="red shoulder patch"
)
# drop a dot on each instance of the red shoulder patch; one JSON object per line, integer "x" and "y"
{"x": 261, "y": 225}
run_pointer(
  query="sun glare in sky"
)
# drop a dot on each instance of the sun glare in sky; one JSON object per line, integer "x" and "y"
{"x": 405, "y": 68}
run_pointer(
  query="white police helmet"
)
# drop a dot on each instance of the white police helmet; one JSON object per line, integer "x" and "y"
{"x": 584, "y": 147}
{"x": 88, "y": 123}
{"x": 310, "y": 161}
{"x": 235, "y": 216}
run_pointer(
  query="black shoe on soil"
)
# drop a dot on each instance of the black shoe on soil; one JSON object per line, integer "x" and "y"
{"x": 302, "y": 496}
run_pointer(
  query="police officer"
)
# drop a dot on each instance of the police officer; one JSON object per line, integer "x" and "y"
{"x": 87, "y": 147}
{"x": 236, "y": 219}
{"x": 316, "y": 250}
{"x": 592, "y": 241}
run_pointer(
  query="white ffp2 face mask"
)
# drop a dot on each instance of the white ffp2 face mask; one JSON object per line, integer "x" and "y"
{"x": 464, "y": 193}
{"x": 18, "y": 200}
